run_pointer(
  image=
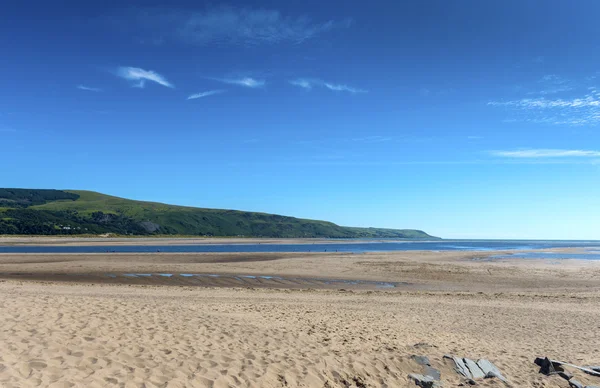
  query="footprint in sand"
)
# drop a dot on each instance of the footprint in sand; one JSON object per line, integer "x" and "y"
{"x": 37, "y": 364}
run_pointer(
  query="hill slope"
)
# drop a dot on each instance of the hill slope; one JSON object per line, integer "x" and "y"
{"x": 51, "y": 212}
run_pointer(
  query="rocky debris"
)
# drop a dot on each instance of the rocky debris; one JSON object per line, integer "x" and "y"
{"x": 549, "y": 367}
{"x": 565, "y": 375}
{"x": 428, "y": 370}
{"x": 424, "y": 381}
{"x": 490, "y": 369}
{"x": 460, "y": 367}
{"x": 475, "y": 370}
{"x": 575, "y": 384}
{"x": 421, "y": 360}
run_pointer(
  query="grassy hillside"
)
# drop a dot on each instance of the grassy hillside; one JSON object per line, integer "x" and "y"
{"x": 24, "y": 211}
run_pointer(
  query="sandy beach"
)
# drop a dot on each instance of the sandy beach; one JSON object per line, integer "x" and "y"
{"x": 92, "y": 331}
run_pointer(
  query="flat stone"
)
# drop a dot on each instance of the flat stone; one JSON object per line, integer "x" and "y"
{"x": 461, "y": 367}
{"x": 475, "y": 370}
{"x": 421, "y": 360}
{"x": 429, "y": 371}
{"x": 424, "y": 381}
{"x": 575, "y": 384}
{"x": 490, "y": 369}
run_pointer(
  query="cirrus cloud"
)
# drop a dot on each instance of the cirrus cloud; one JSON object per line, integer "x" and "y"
{"x": 223, "y": 25}
{"x": 205, "y": 94}
{"x": 248, "y": 82}
{"x": 141, "y": 75}
{"x": 89, "y": 89}
{"x": 546, "y": 153}
{"x": 309, "y": 83}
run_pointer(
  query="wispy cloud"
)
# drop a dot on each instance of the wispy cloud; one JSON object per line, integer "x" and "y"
{"x": 205, "y": 94}
{"x": 343, "y": 88}
{"x": 248, "y": 82}
{"x": 543, "y": 103}
{"x": 372, "y": 139}
{"x": 552, "y": 84}
{"x": 224, "y": 25}
{"x": 309, "y": 83}
{"x": 89, "y": 89}
{"x": 583, "y": 110}
{"x": 141, "y": 75}
{"x": 547, "y": 153}
{"x": 304, "y": 83}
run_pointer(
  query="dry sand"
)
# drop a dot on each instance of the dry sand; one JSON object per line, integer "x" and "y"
{"x": 66, "y": 334}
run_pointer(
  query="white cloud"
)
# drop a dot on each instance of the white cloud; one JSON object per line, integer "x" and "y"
{"x": 543, "y": 103}
{"x": 244, "y": 81}
{"x": 141, "y": 75}
{"x": 205, "y": 94}
{"x": 224, "y": 25}
{"x": 546, "y": 153}
{"x": 309, "y": 83}
{"x": 89, "y": 89}
{"x": 303, "y": 83}
{"x": 584, "y": 110}
{"x": 343, "y": 88}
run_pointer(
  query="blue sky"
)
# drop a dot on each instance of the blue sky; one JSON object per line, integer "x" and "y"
{"x": 468, "y": 119}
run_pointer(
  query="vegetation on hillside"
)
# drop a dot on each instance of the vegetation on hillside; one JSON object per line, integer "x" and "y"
{"x": 55, "y": 212}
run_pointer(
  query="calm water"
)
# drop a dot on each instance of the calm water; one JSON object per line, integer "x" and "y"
{"x": 587, "y": 255}
{"x": 343, "y": 246}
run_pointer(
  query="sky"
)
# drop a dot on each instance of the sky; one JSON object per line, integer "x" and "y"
{"x": 466, "y": 119}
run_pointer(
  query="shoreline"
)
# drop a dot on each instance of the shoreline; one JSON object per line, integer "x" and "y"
{"x": 413, "y": 270}
{"x": 154, "y": 241}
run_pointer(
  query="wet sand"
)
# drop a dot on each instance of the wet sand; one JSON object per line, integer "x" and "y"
{"x": 98, "y": 333}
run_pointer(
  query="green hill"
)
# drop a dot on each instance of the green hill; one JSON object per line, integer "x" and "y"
{"x": 69, "y": 212}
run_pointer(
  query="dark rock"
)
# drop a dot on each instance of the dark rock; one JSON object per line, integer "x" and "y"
{"x": 575, "y": 384}
{"x": 490, "y": 369}
{"x": 492, "y": 375}
{"x": 424, "y": 381}
{"x": 565, "y": 375}
{"x": 548, "y": 367}
{"x": 592, "y": 367}
{"x": 472, "y": 382}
